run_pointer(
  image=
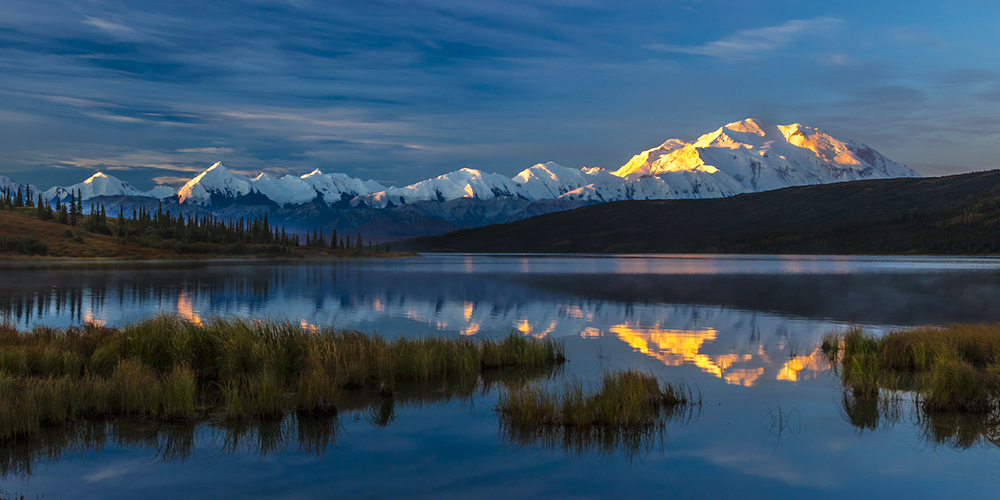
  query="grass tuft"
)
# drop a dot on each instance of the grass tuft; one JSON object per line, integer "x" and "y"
{"x": 626, "y": 398}
{"x": 167, "y": 368}
{"x": 626, "y": 412}
{"x": 952, "y": 369}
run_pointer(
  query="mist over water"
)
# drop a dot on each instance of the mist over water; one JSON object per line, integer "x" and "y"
{"x": 451, "y": 293}
{"x": 743, "y": 331}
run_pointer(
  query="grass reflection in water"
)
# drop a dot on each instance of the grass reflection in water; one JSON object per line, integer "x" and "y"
{"x": 169, "y": 369}
{"x": 626, "y": 412}
{"x": 301, "y": 433}
{"x": 945, "y": 381}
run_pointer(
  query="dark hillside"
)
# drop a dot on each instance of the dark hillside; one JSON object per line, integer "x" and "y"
{"x": 940, "y": 215}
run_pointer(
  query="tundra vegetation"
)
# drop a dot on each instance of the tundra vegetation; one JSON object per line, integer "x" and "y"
{"x": 166, "y": 368}
{"x": 954, "y": 370}
{"x": 626, "y": 411}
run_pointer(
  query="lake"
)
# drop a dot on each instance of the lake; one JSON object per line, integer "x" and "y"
{"x": 743, "y": 331}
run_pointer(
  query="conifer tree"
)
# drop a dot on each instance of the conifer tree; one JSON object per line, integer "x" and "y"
{"x": 72, "y": 209}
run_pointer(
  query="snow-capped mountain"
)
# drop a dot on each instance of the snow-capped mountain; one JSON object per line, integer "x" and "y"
{"x": 464, "y": 183}
{"x": 26, "y": 189}
{"x": 339, "y": 188}
{"x": 99, "y": 184}
{"x": 160, "y": 192}
{"x": 751, "y": 155}
{"x": 741, "y": 157}
{"x": 215, "y": 184}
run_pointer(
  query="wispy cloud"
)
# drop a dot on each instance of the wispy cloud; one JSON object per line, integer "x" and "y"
{"x": 408, "y": 89}
{"x": 207, "y": 151}
{"x": 757, "y": 42}
{"x": 170, "y": 180}
{"x": 112, "y": 28}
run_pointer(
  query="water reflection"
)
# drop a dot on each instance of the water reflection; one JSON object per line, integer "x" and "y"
{"x": 607, "y": 443}
{"x": 309, "y": 434}
{"x": 314, "y": 435}
{"x": 762, "y": 323}
{"x": 763, "y": 355}
{"x": 744, "y": 331}
{"x": 486, "y": 295}
{"x": 952, "y": 430}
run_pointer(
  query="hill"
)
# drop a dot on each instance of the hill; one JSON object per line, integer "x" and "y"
{"x": 943, "y": 215}
{"x": 24, "y": 235}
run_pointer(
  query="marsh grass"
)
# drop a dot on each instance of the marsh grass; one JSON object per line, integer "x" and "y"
{"x": 309, "y": 433}
{"x": 950, "y": 369}
{"x": 166, "y": 368}
{"x": 625, "y": 398}
{"x": 626, "y": 411}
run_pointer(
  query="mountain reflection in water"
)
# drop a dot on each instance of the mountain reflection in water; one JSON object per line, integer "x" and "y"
{"x": 740, "y": 319}
{"x": 743, "y": 330}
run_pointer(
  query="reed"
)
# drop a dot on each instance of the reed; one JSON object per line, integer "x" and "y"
{"x": 951, "y": 369}
{"x": 625, "y": 398}
{"x": 167, "y": 368}
{"x": 625, "y": 413}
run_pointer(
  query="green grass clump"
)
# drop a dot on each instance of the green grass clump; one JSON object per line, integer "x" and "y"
{"x": 169, "y": 369}
{"x": 952, "y": 369}
{"x": 625, "y": 398}
{"x": 625, "y": 413}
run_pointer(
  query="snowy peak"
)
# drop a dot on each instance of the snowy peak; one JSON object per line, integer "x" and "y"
{"x": 753, "y": 155}
{"x": 463, "y": 183}
{"x": 99, "y": 184}
{"x": 551, "y": 180}
{"x": 26, "y": 189}
{"x": 217, "y": 181}
{"x": 160, "y": 192}
{"x": 339, "y": 188}
{"x": 745, "y": 156}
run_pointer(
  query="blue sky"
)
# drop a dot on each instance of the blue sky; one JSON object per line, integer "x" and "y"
{"x": 400, "y": 91}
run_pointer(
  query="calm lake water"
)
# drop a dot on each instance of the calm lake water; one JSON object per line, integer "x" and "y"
{"x": 743, "y": 330}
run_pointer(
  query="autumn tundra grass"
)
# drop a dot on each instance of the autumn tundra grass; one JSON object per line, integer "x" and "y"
{"x": 951, "y": 369}
{"x": 625, "y": 412}
{"x": 168, "y": 368}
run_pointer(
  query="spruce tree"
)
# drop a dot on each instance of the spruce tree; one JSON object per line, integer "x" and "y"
{"x": 72, "y": 209}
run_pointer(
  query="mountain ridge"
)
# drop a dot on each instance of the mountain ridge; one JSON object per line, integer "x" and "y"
{"x": 958, "y": 214}
{"x": 740, "y": 157}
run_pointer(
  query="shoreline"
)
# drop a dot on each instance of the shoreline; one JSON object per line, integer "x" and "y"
{"x": 50, "y": 261}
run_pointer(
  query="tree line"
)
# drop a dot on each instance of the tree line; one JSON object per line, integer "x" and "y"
{"x": 161, "y": 228}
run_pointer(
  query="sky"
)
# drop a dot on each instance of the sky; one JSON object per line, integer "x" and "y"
{"x": 400, "y": 91}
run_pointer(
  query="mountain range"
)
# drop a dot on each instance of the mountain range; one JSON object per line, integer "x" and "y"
{"x": 741, "y": 157}
{"x": 953, "y": 215}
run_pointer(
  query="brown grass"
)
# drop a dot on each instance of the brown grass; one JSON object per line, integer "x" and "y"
{"x": 952, "y": 369}
{"x": 22, "y": 222}
{"x": 166, "y": 368}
